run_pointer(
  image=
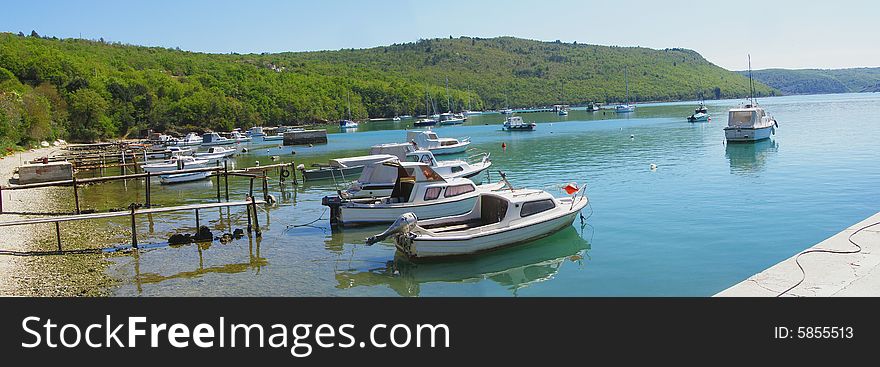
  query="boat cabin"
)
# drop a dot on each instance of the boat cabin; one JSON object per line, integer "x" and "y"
{"x": 747, "y": 116}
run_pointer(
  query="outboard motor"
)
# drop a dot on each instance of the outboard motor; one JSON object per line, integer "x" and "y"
{"x": 333, "y": 202}
{"x": 402, "y": 224}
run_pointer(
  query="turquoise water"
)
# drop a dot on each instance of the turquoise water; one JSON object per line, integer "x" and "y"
{"x": 709, "y": 216}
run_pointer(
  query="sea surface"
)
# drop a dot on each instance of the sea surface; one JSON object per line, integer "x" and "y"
{"x": 710, "y": 215}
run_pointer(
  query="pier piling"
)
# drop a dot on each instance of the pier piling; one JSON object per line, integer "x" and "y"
{"x": 58, "y": 235}
{"x": 75, "y": 195}
{"x": 134, "y": 240}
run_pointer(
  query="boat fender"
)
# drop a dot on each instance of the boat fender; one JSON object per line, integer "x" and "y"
{"x": 301, "y": 167}
{"x": 257, "y": 163}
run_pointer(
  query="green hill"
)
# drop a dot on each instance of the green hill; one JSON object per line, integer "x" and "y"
{"x": 819, "y": 81}
{"x": 87, "y": 90}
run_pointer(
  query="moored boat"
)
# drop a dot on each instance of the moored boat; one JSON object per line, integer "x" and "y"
{"x": 428, "y": 140}
{"x": 516, "y": 123}
{"x": 212, "y": 139}
{"x": 176, "y": 163}
{"x": 498, "y": 219}
{"x": 417, "y": 189}
{"x": 701, "y": 114}
{"x": 183, "y": 177}
{"x": 749, "y": 122}
{"x": 341, "y": 169}
{"x": 191, "y": 139}
{"x": 216, "y": 154}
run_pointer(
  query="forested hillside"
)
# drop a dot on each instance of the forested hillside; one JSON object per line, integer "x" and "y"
{"x": 818, "y": 81}
{"x": 86, "y": 90}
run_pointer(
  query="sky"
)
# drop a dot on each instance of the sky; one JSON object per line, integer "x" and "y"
{"x": 777, "y": 34}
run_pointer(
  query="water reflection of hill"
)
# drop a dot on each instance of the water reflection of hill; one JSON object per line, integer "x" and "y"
{"x": 514, "y": 268}
{"x": 750, "y": 157}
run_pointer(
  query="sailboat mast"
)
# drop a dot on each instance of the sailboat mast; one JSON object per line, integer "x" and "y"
{"x": 448, "y": 101}
{"x": 626, "y": 81}
{"x": 348, "y": 99}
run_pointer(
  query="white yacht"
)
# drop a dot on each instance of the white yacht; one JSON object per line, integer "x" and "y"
{"x": 417, "y": 189}
{"x": 498, "y": 219}
{"x": 191, "y": 139}
{"x": 428, "y": 140}
{"x": 377, "y": 180}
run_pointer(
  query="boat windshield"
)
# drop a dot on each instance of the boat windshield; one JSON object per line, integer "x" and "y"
{"x": 740, "y": 118}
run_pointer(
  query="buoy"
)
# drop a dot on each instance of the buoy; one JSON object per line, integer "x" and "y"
{"x": 244, "y": 150}
{"x": 310, "y": 145}
{"x": 503, "y": 146}
{"x": 274, "y": 157}
{"x": 280, "y": 147}
{"x": 632, "y": 136}
{"x": 293, "y": 152}
{"x": 653, "y": 167}
{"x": 257, "y": 163}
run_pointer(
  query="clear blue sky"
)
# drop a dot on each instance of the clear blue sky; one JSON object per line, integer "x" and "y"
{"x": 790, "y": 34}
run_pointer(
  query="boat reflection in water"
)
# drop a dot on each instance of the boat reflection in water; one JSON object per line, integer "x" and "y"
{"x": 513, "y": 268}
{"x": 750, "y": 157}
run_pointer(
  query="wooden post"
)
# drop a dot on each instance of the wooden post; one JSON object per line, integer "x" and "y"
{"x": 251, "y": 191}
{"x": 293, "y": 172}
{"x": 248, "y": 208}
{"x": 256, "y": 220}
{"x": 218, "y": 185}
{"x": 265, "y": 186}
{"x": 226, "y": 178}
{"x": 134, "y": 239}
{"x": 1, "y": 199}
{"x": 58, "y": 235}
{"x": 197, "y": 219}
{"x": 75, "y": 195}
{"x": 147, "y": 185}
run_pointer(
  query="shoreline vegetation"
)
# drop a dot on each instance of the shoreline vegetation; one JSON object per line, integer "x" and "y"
{"x": 84, "y": 90}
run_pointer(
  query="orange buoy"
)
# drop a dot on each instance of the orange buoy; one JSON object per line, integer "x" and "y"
{"x": 503, "y": 146}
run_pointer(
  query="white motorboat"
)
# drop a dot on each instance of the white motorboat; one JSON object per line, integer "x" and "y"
{"x": 506, "y": 111}
{"x": 238, "y": 137}
{"x": 377, "y": 180}
{"x": 516, "y": 123}
{"x": 342, "y": 169}
{"x": 417, "y": 189}
{"x": 749, "y": 122}
{"x": 167, "y": 152}
{"x": 428, "y": 140}
{"x": 191, "y": 139}
{"x": 472, "y": 113}
{"x": 395, "y": 118}
{"x": 183, "y": 177}
{"x": 498, "y": 219}
{"x": 216, "y": 154}
{"x": 212, "y": 139}
{"x": 347, "y": 124}
{"x": 256, "y": 132}
{"x": 176, "y": 163}
{"x": 701, "y": 114}
{"x": 562, "y": 112}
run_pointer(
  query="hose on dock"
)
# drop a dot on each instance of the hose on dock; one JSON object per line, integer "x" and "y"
{"x": 826, "y": 251}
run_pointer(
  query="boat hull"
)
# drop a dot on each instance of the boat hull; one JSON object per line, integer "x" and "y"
{"x": 425, "y": 247}
{"x": 737, "y": 134}
{"x": 353, "y": 215}
{"x": 698, "y": 118}
{"x": 183, "y": 177}
{"x": 450, "y": 149}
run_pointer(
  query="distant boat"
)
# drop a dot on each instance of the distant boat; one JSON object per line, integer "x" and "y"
{"x": 425, "y": 122}
{"x": 191, "y": 139}
{"x": 211, "y": 139}
{"x": 472, "y": 113}
{"x": 749, "y": 122}
{"x": 173, "y": 164}
{"x": 216, "y": 154}
{"x": 625, "y": 108}
{"x": 395, "y": 118}
{"x": 515, "y": 123}
{"x": 506, "y": 111}
{"x": 406, "y": 117}
{"x": 701, "y": 114}
{"x": 593, "y": 107}
{"x": 449, "y": 118}
{"x": 239, "y": 137}
{"x": 348, "y": 123}
{"x": 562, "y": 112}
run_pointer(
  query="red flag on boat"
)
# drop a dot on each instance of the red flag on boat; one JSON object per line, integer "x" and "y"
{"x": 571, "y": 188}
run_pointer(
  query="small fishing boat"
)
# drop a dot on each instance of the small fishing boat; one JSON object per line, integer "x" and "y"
{"x": 176, "y": 163}
{"x": 183, "y": 177}
{"x": 749, "y": 122}
{"x": 428, "y": 140}
{"x": 191, "y": 139}
{"x": 498, "y": 219}
{"x": 516, "y": 123}
{"x": 562, "y": 112}
{"x": 256, "y": 132}
{"x": 377, "y": 180}
{"x": 701, "y": 114}
{"x": 417, "y": 189}
{"x": 167, "y": 152}
{"x": 216, "y": 154}
{"x": 238, "y": 137}
{"x": 343, "y": 169}
{"x": 425, "y": 122}
{"x": 212, "y": 139}
{"x": 449, "y": 118}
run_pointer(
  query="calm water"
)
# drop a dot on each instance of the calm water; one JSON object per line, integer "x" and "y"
{"x": 710, "y": 215}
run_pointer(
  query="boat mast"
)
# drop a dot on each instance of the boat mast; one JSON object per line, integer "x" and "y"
{"x": 751, "y": 83}
{"x": 448, "y": 101}
{"x": 626, "y": 81}
{"x": 348, "y": 98}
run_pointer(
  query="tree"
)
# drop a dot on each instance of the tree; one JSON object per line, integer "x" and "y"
{"x": 34, "y": 34}
{"x": 88, "y": 116}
